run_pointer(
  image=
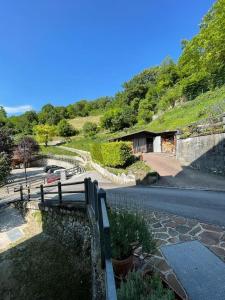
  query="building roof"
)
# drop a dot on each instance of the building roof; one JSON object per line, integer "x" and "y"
{"x": 147, "y": 132}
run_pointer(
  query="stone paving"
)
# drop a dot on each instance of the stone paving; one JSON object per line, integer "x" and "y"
{"x": 171, "y": 229}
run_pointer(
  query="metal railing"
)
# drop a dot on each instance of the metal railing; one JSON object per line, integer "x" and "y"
{"x": 96, "y": 199}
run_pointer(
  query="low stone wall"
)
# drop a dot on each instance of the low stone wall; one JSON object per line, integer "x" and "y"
{"x": 206, "y": 153}
{"x": 59, "y": 160}
{"x": 119, "y": 179}
{"x": 76, "y": 229}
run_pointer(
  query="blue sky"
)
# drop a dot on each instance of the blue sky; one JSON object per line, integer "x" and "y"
{"x": 61, "y": 51}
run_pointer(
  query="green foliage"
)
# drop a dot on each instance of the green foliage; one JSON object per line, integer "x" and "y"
{"x": 90, "y": 129}
{"x": 49, "y": 115}
{"x": 6, "y": 142}
{"x": 96, "y": 152}
{"x": 116, "y": 154}
{"x": 127, "y": 229}
{"x": 4, "y": 167}
{"x": 44, "y": 133}
{"x": 3, "y": 116}
{"x": 144, "y": 112}
{"x": 137, "y": 287}
{"x": 55, "y": 150}
{"x": 118, "y": 119}
{"x": 65, "y": 129}
{"x": 23, "y": 124}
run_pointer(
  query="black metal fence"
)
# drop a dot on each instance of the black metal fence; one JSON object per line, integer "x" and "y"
{"x": 95, "y": 200}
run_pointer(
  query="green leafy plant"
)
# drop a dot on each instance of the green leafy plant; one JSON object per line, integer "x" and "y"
{"x": 96, "y": 152}
{"x": 129, "y": 230}
{"x": 65, "y": 128}
{"x": 137, "y": 287}
{"x": 117, "y": 154}
{"x": 90, "y": 129}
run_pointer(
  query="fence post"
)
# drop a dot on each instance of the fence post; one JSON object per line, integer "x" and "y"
{"x": 21, "y": 193}
{"x": 28, "y": 193}
{"x": 101, "y": 195}
{"x": 60, "y": 192}
{"x": 95, "y": 197}
{"x": 86, "y": 187}
{"x": 42, "y": 193}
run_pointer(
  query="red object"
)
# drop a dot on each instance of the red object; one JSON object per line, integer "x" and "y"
{"x": 53, "y": 178}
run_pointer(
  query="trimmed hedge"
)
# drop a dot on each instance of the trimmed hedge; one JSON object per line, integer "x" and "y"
{"x": 116, "y": 154}
{"x": 96, "y": 153}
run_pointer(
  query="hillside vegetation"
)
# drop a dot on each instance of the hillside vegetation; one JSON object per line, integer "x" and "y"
{"x": 79, "y": 122}
{"x": 179, "y": 93}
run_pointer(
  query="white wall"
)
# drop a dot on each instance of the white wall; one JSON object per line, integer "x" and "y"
{"x": 157, "y": 144}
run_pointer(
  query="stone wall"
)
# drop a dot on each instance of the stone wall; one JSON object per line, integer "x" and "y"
{"x": 59, "y": 160}
{"x": 206, "y": 153}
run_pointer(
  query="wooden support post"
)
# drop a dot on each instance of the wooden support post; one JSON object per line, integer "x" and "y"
{"x": 21, "y": 192}
{"x": 42, "y": 193}
{"x": 60, "y": 192}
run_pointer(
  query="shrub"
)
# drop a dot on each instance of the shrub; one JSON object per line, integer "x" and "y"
{"x": 90, "y": 129}
{"x": 4, "y": 167}
{"x": 144, "y": 288}
{"x": 117, "y": 154}
{"x": 127, "y": 229}
{"x": 96, "y": 152}
{"x": 65, "y": 129}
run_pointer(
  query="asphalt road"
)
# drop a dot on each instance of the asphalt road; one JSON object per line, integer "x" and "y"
{"x": 206, "y": 206}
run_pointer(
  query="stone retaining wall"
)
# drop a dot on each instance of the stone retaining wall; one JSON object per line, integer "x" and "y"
{"x": 59, "y": 160}
{"x": 206, "y": 153}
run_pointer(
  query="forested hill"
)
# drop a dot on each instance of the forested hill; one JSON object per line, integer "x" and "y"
{"x": 199, "y": 72}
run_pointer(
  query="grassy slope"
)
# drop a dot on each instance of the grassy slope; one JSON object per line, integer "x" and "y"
{"x": 175, "y": 118}
{"x": 56, "y": 150}
{"x": 79, "y": 121}
{"x": 190, "y": 112}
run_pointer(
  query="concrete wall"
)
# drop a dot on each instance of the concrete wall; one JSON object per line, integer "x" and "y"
{"x": 206, "y": 153}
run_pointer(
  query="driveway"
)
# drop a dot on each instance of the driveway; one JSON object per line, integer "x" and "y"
{"x": 175, "y": 175}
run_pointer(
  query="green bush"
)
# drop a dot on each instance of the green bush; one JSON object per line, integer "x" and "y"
{"x": 96, "y": 152}
{"x": 117, "y": 154}
{"x": 90, "y": 129}
{"x": 143, "y": 288}
{"x": 127, "y": 229}
{"x": 65, "y": 129}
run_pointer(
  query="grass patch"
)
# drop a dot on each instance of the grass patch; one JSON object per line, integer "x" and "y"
{"x": 85, "y": 143}
{"x": 79, "y": 122}
{"x": 56, "y": 150}
{"x": 135, "y": 168}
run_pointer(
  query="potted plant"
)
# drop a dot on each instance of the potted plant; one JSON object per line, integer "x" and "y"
{"x": 142, "y": 287}
{"x": 128, "y": 231}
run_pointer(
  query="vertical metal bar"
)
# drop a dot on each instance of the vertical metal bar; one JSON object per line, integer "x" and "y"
{"x": 21, "y": 193}
{"x": 28, "y": 193}
{"x": 42, "y": 193}
{"x": 100, "y": 196}
{"x": 95, "y": 197}
{"x": 86, "y": 186}
{"x": 60, "y": 192}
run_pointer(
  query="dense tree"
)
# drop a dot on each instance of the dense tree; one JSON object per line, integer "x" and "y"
{"x": 144, "y": 112}
{"x": 118, "y": 119}
{"x": 4, "y": 167}
{"x": 65, "y": 129}
{"x": 90, "y": 129}
{"x": 44, "y": 133}
{"x": 3, "y": 116}
{"x": 6, "y": 142}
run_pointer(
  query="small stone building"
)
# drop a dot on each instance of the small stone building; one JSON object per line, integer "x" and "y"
{"x": 147, "y": 141}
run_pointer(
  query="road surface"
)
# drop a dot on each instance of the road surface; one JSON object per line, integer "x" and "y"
{"x": 206, "y": 206}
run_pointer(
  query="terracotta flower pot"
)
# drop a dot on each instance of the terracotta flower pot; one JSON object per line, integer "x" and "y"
{"x": 122, "y": 267}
